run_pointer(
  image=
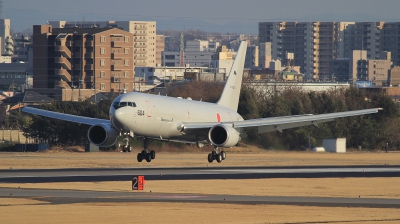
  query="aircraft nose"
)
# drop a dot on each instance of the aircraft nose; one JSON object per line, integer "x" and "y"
{"x": 119, "y": 118}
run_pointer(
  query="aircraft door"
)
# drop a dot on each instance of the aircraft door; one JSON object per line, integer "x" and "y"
{"x": 149, "y": 108}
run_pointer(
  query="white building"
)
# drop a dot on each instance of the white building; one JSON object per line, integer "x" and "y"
{"x": 197, "y": 53}
{"x": 7, "y": 47}
{"x": 18, "y": 74}
{"x": 158, "y": 75}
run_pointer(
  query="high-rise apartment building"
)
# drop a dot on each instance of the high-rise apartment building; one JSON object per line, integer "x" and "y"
{"x": 389, "y": 40}
{"x": 7, "y": 45}
{"x": 144, "y": 32}
{"x": 316, "y": 44}
{"x": 366, "y": 37}
{"x": 82, "y": 58}
{"x": 252, "y": 57}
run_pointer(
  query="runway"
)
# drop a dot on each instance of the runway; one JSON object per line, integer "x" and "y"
{"x": 89, "y": 175}
{"x": 196, "y": 173}
{"x": 74, "y": 196}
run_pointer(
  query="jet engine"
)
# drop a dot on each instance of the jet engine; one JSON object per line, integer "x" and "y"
{"x": 102, "y": 135}
{"x": 223, "y": 136}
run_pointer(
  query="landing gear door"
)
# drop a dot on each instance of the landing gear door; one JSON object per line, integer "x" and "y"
{"x": 149, "y": 108}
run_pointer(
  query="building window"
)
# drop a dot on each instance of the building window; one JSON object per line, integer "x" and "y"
{"x": 126, "y": 74}
{"x": 102, "y": 62}
{"x": 126, "y": 62}
{"x": 102, "y": 86}
{"x": 102, "y": 50}
{"x": 102, "y": 39}
{"x": 117, "y": 86}
{"x": 127, "y": 39}
{"x": 102, "y": 74}
{"x": 126, "y": 50}
{"x": 126, "y": 86}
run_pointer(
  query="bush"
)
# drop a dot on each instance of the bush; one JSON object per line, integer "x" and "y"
{"x": 7, "y": 147}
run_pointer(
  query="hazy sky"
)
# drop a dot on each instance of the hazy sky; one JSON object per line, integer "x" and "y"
{"x": 208, "y": 15}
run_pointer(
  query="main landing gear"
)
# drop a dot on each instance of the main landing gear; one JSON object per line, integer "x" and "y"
{"x": 146, "y": 154}
{"x": 216, "y": 154}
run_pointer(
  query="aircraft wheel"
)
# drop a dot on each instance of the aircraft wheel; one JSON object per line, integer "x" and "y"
{"x": 129, "y": 148}
{"x": 223, "y": 154}
{"x": 210, "y": 158}
{"x": 153, "y": 154}
{"x": 148, "y": 157}
{"x": 219, "y": 158}
{"x": 139, "y": 157}
{"x": 124, "y": 148}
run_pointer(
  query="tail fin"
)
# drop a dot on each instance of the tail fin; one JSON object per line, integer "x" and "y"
{"x": 231, "y": 92}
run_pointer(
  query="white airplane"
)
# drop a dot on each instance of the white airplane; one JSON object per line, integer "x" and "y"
{"x": 156, "y": 117}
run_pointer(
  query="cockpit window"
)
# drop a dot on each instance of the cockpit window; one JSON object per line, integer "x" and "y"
{"x": 117, "y": 105}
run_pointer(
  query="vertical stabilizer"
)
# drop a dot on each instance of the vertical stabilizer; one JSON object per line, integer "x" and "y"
{"x": 231, "y": 92}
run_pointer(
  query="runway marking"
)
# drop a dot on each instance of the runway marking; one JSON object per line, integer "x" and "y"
{"x": 179, "y": 196}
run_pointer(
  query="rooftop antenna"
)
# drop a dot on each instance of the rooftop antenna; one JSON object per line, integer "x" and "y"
{"x": 94, "y": 25}
{"x": 75, "y": 16}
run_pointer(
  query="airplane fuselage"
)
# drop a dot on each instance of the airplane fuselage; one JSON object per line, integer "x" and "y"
{"x": 160, "y": 116}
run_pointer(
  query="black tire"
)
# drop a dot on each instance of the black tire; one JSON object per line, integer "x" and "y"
{"x": 153, "y": 154}
{"x": 210, "y": 158}
{"x": 124, "y": 148}
{"x": 129, "y": 148}
{"x": 148, "y": 157}
{"x": 218, "y": 158}
{"x": 139, "y": 157}
{"x": 223, "y": 154}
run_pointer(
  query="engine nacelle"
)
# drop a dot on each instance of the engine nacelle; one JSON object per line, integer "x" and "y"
{"x": 102, "y": 135}
{"x": 223, "y": 136}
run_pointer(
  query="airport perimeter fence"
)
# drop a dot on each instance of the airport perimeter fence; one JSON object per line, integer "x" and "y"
{"x": 14, "y": 140}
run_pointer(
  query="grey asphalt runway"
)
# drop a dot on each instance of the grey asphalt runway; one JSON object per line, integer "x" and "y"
{"x": 193, "y": 173}
{"x": 89, "y": 175}
{"x": 74, "y": 196}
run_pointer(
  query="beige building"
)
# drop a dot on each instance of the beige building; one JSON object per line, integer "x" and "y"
{"x": 82, "y": 59}
{"x": 265, "y": 55}
{"x": 394, "y": 76}
{"x": 356, "y": 56}
{"x": 222, "y": 59}
{"x": 375, "y": 70}
{"x": 160, "y": 45}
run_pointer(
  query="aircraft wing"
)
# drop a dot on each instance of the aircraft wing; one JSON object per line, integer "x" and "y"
{"x": 279, "y": 123}
{"x": 65, "y": 117}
